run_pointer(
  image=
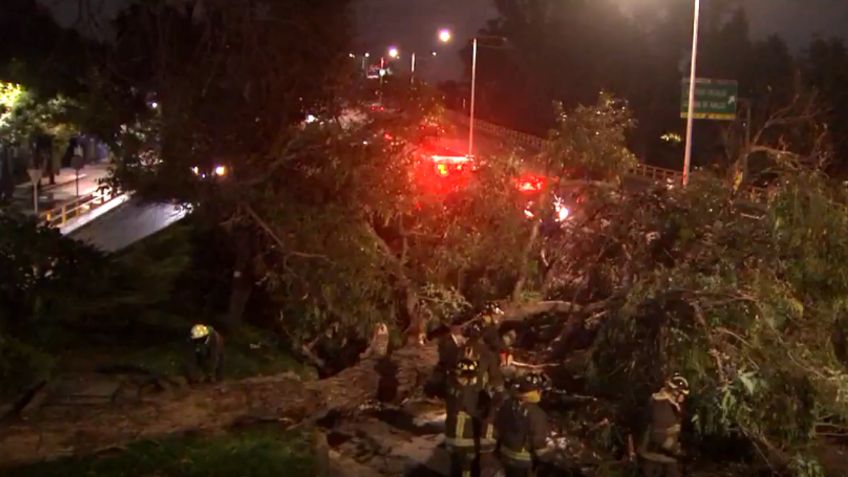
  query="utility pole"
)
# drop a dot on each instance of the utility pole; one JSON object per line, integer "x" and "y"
{"x": 690, "y": 120}
{"x": 473, "y": 96}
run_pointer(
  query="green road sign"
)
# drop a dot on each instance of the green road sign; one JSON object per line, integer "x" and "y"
{"x": 714, "y": 99}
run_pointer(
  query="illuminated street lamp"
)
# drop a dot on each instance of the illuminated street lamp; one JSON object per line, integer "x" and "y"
{"x": 445, "y": 35}
{"x": 690, "y": 120}
{"x": 394, "y": 53}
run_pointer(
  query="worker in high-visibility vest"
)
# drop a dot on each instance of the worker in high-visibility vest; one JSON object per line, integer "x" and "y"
{"x": 463, "y": 411}
{"x": 660, "y": 448}
{"x": 523, "y": 429}
{"x": 207, "y": 354}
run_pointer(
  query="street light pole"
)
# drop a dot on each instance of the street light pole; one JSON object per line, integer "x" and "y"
{"x": 690, "y": 120}
{"x": 473, "y": 96}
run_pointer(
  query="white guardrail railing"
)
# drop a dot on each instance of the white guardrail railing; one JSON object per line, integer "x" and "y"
{"x": 60, "y": 215}
{"x": 518, "y": 138}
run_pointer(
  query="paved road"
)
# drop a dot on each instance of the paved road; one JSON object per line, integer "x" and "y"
{"x": 127, "y": 224}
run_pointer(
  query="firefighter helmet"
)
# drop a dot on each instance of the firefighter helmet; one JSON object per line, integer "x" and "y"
{"x": 466, "y": 371}
{"x": 199, "y": 331}
{"x": 531, "y": 382}
{"x": 678, "y": 384}
{"x": 492, "y": 313}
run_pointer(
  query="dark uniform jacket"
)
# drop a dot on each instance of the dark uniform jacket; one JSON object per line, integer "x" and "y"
{"x": 448, "y": 353}
{"x": 523, "y": 429}
{"x": 463, "y": 414}
{"x": 662, "y": 439}
{"x": 207, "y": 357}
{"x": 490, "y": 374}
{"x": 492, "y": 338}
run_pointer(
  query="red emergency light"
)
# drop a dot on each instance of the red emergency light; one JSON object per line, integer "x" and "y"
{"x": 532, "y": 183}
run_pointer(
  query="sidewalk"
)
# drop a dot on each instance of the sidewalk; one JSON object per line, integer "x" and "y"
{"x": 65, "y": 190}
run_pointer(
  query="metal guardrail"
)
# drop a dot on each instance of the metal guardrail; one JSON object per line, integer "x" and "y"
{"x": 757, "y": 194}
{"x": 60, "y": 215}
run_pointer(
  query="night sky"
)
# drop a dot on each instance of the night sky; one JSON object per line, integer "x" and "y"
{"x": 412, "y": 24}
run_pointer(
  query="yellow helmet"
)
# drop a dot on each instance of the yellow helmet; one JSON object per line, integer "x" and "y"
{"x": 199, "y": 331}
{"x": 678, "y": 384}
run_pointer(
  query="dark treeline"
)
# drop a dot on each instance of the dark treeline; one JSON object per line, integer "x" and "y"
{"x": 568, "y": 50}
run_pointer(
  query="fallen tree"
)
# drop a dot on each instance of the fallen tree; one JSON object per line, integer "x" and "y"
{"x": 282, "y": 398}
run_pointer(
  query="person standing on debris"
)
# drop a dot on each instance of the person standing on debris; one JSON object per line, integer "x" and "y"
{"x": 523, "y": 429}
{"x": 491, "y": 318}
{"x": 492, "y": 383}
{"x": 463, "y": 407}
{"x": 207, "y": 355}
{"x": 660, "y": 448}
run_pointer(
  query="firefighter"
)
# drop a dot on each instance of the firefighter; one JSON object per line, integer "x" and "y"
{"x": 523, "y": 429}
{"x": 207, "y": 355}
{"x": 491, "y": 318}
{"x": 463, "y": 410}
{"x": 492, "y": 384}
{"x": 660, "y": 448}
{"x": 450, "y": 348}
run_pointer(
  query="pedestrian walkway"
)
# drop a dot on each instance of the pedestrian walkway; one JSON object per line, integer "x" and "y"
{"x": 64, "y": 190}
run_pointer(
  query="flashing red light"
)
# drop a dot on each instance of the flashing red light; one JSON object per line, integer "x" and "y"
{"x": 438, "y": 159}
{"x": 532, "y": 183}
{"x": 388, "y": 137}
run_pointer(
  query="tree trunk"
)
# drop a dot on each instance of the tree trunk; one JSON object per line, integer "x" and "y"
{"x": 88, "y": 430}
{"x": 242, "y": 283}
{"x": 523, "y": 271}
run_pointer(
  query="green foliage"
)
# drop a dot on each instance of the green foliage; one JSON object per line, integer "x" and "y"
{"x": 742, "y": 302}
{"x": 591, "y": 142}
{"x": 21, "y": 367}
{"x": 257, "y": 453}
{"x": 42, "y": 273}
{"x": 804, "y": 467}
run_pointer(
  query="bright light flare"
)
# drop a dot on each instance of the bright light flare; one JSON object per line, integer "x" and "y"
{"x": 450, "y": 159}
{"x": 531, "y": 183}
{"x": 562, "y": 212}
{"x": 394, "y": 52}
{"x": 195, "y": 170}
{"x": 445, "y": 35}
{"x": 220, "y": 171}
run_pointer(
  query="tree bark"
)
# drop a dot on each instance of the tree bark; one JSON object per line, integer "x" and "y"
{"x": 242, "y": 282}
{"x": 87, "y": 430}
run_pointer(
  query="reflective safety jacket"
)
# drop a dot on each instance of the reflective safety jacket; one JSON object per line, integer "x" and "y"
{"x": 661, "y": 442}
{"x": 523, "y": 429}
{"x": 207, "y": 356}
{"x": 489, "y": 374}
{"x": 463, "y": 415}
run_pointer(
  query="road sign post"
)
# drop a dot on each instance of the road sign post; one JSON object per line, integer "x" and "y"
{"x": 35, "y": 177}
{"x": 714, "y": 99}
{"x": 77, "y": 162}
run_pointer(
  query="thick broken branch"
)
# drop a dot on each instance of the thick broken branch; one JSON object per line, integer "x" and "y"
{"x": 524, "y": 311}
{"x": 87, "y": 430}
